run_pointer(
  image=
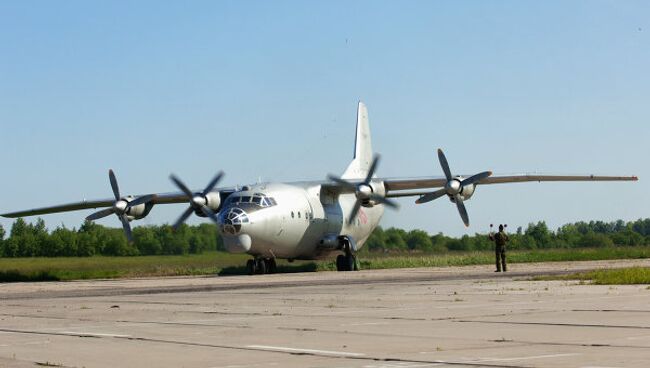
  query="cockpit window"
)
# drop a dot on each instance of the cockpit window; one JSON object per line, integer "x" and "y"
{"x": 257, "y": 199}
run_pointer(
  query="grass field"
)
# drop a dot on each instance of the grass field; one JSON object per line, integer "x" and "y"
{"x": 621, "y": 276}
{"x": 50, "y": 269}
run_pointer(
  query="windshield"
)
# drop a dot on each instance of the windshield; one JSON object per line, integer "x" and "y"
{"x": 256, "y": 199}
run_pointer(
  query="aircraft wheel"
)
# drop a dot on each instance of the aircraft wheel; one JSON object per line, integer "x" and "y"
{"x": 350, "y": 261}
{"x": 346, "y": 262}
{"x": 271, "y": 266}
{"x": 250, "y": 267}
{"x": 340, "y": 262}
{"x": 260, "y": 266}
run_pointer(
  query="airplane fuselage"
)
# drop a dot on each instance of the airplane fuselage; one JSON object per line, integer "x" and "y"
{"x": 296, "y": 221}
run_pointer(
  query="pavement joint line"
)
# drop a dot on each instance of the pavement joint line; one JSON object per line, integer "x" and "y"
{"x": 556, "y": 324}
{"x": 93, "y": 334}
{"x": 555, "y": 343}
{"x": 309, "y": 351}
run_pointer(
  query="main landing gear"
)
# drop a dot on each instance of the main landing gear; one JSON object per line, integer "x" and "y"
{"x": 347, "y": 261}
{"x": 260, "y": 266}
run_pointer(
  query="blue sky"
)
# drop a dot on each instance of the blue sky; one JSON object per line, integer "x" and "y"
{"x": 269, "y": 89}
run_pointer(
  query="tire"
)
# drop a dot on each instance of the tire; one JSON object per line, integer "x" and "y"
{"x": 349, "y": 262}
{"x": 260, "y": 266}
{"x": 271, "y": 266}
{"x": 340, "y": 262}
{"x": 250, "y": 267}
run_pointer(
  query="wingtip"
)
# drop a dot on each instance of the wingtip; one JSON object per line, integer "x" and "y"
{"x": 635, "y": 178}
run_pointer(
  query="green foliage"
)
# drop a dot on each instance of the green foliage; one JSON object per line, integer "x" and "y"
{"x": 395, "y": 239}
{"x": 33, "y": 239}
{"x": 418, "y": 239}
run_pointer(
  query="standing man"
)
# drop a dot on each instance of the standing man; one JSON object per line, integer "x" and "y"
{"x": 500, "y": 240}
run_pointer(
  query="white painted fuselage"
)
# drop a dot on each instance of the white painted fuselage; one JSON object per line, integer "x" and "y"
{"x": 301, "y": 217}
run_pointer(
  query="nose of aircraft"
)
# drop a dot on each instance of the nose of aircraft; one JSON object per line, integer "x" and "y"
{"x": 232, "y": 223}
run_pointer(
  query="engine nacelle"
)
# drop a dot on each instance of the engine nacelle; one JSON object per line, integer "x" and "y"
{"x": 138, "y": 212}
{"x": 212, "y": 200}
{"x": 376, "y": 188}
{"x": 465, "y": 192}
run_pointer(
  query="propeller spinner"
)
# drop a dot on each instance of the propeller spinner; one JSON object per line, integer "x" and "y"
{"x": 198, "y": 201}
{"x": 121, "y": 206}
{"x": 363, "y": 191}
{"x": 453, "y": 188}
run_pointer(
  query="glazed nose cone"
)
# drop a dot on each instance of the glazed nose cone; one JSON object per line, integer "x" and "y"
{"x": 232, "y": 224}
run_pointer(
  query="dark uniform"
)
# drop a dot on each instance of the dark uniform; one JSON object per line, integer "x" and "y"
{"x": 500, "y": 240}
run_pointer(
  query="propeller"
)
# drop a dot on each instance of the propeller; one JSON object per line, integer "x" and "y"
{"x": 198, "y": 201}
{"x": 453, "y": 187}
{"x": 363, "y": 191}
{"x": 120, "y": 207}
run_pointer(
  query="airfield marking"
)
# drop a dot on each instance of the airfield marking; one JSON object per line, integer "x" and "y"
{"x": 481, "y": 360}
{"x": 364, "y": 324}
{"x": 308, "y": 351}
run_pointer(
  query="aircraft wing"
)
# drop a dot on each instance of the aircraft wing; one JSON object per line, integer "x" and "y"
{"x": 415, "y": 186}
{"x": 164, "y": 198}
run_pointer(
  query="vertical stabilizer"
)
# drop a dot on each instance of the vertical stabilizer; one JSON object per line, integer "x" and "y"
{"x": 358, "y": 168}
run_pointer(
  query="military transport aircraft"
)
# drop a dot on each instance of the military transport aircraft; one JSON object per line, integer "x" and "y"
{"x": 304, "y": 220}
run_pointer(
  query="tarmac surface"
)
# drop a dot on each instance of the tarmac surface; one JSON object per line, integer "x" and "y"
{"x": 426, "y": 317}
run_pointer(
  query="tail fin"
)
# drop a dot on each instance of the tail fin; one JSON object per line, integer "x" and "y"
{"x": 360, "y": 165}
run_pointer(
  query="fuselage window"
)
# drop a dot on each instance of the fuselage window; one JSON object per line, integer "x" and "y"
{"x": 292, "y": 214}
{"x": 257, "y": 200}
{"x": 246, "y": 199}
{"x": 298, "y": 214}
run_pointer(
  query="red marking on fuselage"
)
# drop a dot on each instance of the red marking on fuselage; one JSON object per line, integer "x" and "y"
{"x": 363, "y": 217}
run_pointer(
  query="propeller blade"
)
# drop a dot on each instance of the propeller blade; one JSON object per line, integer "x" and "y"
{"x": 444, "y": 164}
{"x": 474, "y": 178}
{"x": 462, "y": 210}
{"x": 213, "y": 183}
{"x": 127, "y": 228}
{"x": 208, "y": 212}
{"x": 344, "y": 183}
{"x": 181, "y": 186}
{"x": 114, "y": 186}
{"x": 388, "y": 202}
{"x": 183, "y": 218}
{"x": 141, "y": 200}
{"x": 373, "y": 167}
{"x": 100, "y": 214}
{"x": 354, "y": 212}
{"x": 431, "y": 196}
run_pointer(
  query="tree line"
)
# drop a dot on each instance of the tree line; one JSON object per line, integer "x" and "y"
{"x": 35, "y": 240}
{"x": 535, "y": 236}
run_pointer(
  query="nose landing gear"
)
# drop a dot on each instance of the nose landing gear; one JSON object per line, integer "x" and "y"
{"x": 261, "y": 266}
